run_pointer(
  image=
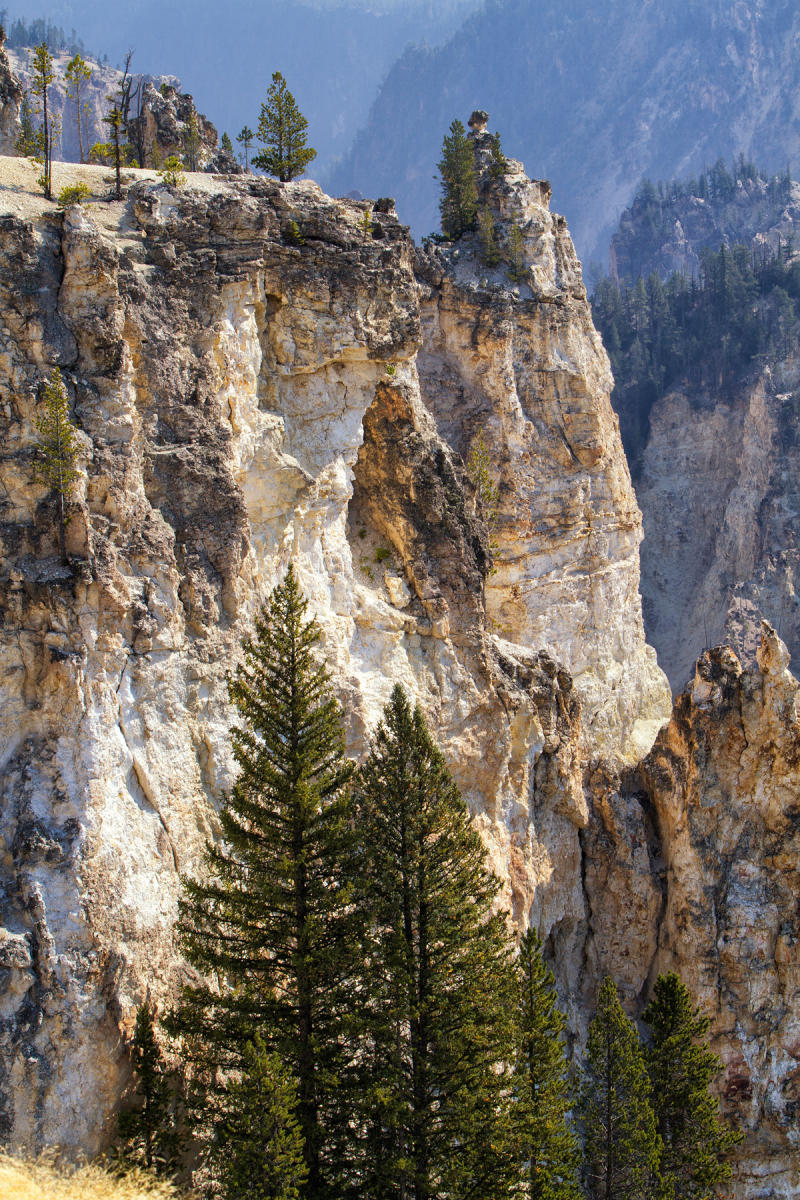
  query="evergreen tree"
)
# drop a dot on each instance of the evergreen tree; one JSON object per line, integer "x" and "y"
{"x": 517, "y": 267}
{"x": 622, "y": 1146}
{"x": 76, "y": 76}
{"x": 26, "y": 141}
{"x": 57, "y": 449}
{"x": 282, "y": 131}
{"x": 548, "y": 1150}
{"x": 682, "y": 1069}
{"x": 259, "y": 1150}
{"x": 271, "y": 925}
{"x": 497, "y": 168}
{"x": 191, "y": 144}
{"x": 490, "y": 251}
{"x": 435, "y": 999}
{"x": 149, "y": 1131}
{"x": 245, "y": 138}
{"x": 226, "y": 143}
{"x": 43, "y": 74}
{"x": 459, "y": 200}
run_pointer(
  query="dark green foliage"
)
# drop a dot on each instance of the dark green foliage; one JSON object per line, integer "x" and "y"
{"x": 271, "y": 925}
{"x": 622, "y": 1145}
{"x": 682, "y": 1069}
{"x": 191, "y": 144}
{"x": 149, "y": 1131}
{"x": 226, "y": 144}
{"x": 282, "y": 131}
{"x": 705, "y": 332}
{"x": 259, "y": 1148}
{"x": 435, "y": 999}
{"x": 57, "y": 448}
{"x": 490, "y": 251}
{"x": 547, "y": 1149}
{"x": 459, "y": 200}
{"x": 498, "y": 164}
{"x": 515, "y": 251}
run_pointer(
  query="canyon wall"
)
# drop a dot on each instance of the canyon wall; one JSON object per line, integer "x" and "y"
{"x": 256, "y": 380}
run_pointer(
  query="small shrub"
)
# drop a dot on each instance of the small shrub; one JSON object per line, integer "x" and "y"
{"x": 391, "y": 369}
{"x": 294, "y": 235}
{"x": 172, "y": 172}
{"x": 382, "y": 553}
{"x": 362, "y": 533}
{"x": 101, "y": 153}
{"x": 365, "y": 224}
{"x": 73, "y": 193}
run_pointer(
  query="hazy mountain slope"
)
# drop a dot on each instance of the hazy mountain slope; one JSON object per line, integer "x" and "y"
{"x": 333, "y": 56}
{"x": 592, "y": 98}
{"x": 708, "y": 394}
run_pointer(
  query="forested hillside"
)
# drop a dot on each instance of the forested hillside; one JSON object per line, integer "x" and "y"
{"x": 591, "y": 98}
{"x": 731, "y": 307}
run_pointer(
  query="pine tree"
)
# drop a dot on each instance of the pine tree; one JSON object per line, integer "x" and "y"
{"x": 434, "y": 1001}
{"x": 490, "y": 251}
{"x": 191, "y": 144}
{"x": 149, "y": 1131}
{"x": 226, "y": 144}
{"x": 548, "y": 1151}
{"x": 517, "y": 267}
{"x": 497, "y": 168}
{"x": 43, "y": 74}
{"x": 26, "y": 142}
{"x": 245, "y": 138}
{"x": 622, "y": 1146}
{"x": 259, "y": 1149}
{"x": 282, "y": 131}
{"x": 459, "y": 201}
{"x": 57, "y": 449}
{"x": 682, "y": 1069}
{"x": 77, "y": 74}
{"x": 271, "y": 925}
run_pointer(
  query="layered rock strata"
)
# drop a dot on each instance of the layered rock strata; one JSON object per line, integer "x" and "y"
{"x": 245, "y": 367}
{"x": 692, "y": 866}
{"x": 256, "y": 380}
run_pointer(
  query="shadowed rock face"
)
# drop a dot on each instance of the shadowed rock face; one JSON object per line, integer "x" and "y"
{"x": 255, "y": 380}
{"x": 692, "y": 866}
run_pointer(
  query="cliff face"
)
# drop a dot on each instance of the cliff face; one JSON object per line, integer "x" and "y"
{"x": 231, "y": 384}
{"x": 256, "y": 380}
{"x": 723, "y": 783}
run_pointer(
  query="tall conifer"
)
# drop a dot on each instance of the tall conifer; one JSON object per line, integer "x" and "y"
{"x": 459, "y": 201}
{"x": 269, "y": 927}
{"x": 622, "y": 1145}
{"x": 57, "y": 449}
{"x": 682, "y": 1069}
{"x": 435, "y": 997}
{"x": 547, "y": 1148}
{"x": 149, "y": 1129}
{"x": 259, "y": 1147}
{"x": 282, "y": 129}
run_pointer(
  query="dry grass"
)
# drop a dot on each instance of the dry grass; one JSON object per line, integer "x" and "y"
{"x": 43, "y": 1180}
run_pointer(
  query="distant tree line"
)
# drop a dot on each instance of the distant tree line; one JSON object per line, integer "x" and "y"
{"x": 701, "y": 331}
{"x": 24, "y": 35}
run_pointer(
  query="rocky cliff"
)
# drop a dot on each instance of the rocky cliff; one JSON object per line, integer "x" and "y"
{"x": 256, "y": 379}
